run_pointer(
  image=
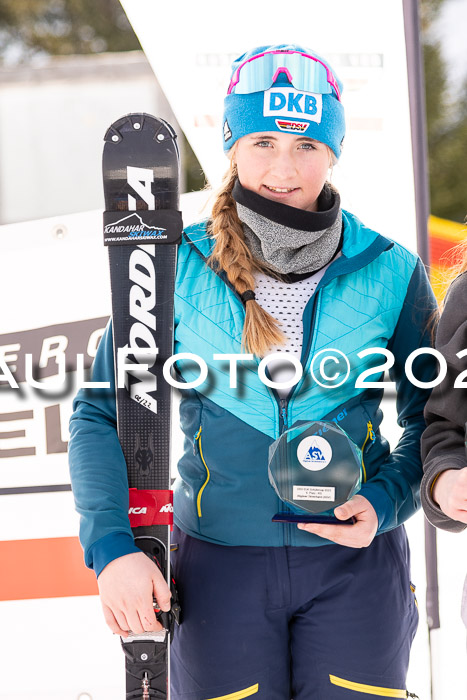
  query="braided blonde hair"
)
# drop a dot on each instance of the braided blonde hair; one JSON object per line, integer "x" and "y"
{"x": 231, "y": 253}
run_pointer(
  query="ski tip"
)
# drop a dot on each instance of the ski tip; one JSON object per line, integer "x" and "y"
{"x": 139, "y": 122}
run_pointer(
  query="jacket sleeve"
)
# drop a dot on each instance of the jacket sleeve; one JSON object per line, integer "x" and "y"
{"x": 394, "y": 491}
{"x": 443, "y": 442}
{"x": 98, "y": 469}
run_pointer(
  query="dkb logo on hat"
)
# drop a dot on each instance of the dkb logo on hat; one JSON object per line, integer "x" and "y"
{"x": 287, "y": 102}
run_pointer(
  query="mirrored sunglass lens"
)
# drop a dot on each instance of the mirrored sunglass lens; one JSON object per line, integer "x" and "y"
{"x": 257, "y": 75}
{"x": 311, "y": 75}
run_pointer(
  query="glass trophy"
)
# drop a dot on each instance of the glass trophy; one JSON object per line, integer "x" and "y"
{"x": 314, "y": 467}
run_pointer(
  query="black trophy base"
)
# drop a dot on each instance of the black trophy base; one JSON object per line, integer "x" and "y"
{"x": 311, "y": 518}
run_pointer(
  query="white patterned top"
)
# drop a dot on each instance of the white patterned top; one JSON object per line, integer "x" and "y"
{"x": 286, "y": 301}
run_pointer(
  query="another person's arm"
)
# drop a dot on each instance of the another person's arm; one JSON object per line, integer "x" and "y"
{"x": 444, "y": 484}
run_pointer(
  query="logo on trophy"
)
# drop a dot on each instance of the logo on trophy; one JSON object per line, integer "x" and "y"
{"x": 314, "y": 467}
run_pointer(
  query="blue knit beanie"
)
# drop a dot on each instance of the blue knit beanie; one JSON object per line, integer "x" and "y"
{"x": 284, "y": 108}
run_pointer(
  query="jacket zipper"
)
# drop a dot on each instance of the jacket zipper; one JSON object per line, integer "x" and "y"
{"x": 282, "y": 415}
{"x": 197, "y": 446}
{"x": 412, "y": 588}
{"x": 370, "y": 435}
{"x": 284, "y": 402}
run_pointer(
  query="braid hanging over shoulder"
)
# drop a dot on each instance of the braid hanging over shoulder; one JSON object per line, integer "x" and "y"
{"x": 231, "y": 253}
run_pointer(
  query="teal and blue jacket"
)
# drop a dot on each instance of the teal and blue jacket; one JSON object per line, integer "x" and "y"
{"x": 375, "y": 295}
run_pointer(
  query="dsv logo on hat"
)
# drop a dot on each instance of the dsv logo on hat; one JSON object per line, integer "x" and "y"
{"x": 291, "y": 126}
{"x": 288, "y": 102}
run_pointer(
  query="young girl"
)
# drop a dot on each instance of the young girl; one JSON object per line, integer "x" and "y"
{"x": 444, "y": 483}
{"x": 274, "y": 610}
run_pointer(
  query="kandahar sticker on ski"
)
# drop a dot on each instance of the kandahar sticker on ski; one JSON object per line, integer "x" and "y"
{"x": 156, "y": 226}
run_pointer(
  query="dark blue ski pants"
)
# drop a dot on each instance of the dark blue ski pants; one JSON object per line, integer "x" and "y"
{"x": 308, "y": 623}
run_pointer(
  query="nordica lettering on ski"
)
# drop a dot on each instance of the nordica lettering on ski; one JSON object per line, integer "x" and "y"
{"x": 142, "y": 301}
{"x": 168, "y": 508}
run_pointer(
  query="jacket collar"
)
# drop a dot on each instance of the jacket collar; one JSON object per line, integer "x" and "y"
{"x": 361, "y": 245}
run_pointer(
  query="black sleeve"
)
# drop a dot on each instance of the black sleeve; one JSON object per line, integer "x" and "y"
{"x": 443, "y": 441}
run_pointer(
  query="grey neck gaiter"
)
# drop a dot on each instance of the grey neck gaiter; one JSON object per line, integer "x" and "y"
{"x": 289, "y": 239}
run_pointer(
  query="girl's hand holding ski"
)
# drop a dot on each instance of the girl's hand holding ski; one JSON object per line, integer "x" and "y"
{"x": 450, "y": 493}
{"x": 127, "y": 587}
{"x": 361, "y": 534}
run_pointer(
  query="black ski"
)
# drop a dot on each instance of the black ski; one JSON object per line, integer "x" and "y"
{"x": 142, "y": 227}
